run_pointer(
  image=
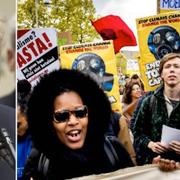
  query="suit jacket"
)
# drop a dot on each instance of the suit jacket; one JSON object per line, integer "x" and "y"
{"x": 7, "y": 120}
{"x": 8, "y": 100}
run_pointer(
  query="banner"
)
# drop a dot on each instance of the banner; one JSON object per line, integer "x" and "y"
{"x": 98, "y": 60}
{"x": 146, "y": 172}
{"x": 157, "y": 36}
{"x": 37, "y": 53}
{"x": 169, "y": 5}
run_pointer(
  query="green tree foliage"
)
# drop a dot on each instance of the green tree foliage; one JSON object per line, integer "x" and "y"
{"x": 65, "y": 15}
{"x": 26, "y": 15}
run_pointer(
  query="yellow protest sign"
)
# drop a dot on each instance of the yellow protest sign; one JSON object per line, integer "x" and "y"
{"x": 98, "y": 60}
{"x": 157, "y": 36}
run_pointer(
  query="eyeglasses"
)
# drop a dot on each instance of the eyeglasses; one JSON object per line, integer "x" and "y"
{"x": 64, "y": 115}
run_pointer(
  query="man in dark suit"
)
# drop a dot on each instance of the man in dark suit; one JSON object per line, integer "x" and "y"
{"x": 7, "y": 113}
{"x": 7, "y": 121}
{"x": 9, "y": 99}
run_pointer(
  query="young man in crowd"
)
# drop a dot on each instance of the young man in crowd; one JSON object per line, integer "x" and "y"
{"x": 165, "y": 110}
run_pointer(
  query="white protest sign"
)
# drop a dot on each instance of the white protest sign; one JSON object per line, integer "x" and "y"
{"x": 169, "y": 134}
{"x": 37, "y": 53}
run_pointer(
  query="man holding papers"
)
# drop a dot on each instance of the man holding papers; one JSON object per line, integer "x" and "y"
{"x": 164, "y": 110}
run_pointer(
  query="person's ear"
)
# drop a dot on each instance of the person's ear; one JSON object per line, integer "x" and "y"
{"x": 161, "y": 76}
{"x": 11, "y": 59}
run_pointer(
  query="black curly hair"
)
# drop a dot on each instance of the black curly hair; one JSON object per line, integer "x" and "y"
{"x": 23, "y": 93}
{"x": 40, "y": 108}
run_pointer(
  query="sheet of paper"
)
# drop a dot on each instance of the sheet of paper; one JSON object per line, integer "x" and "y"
{"x": 169, "y": 134}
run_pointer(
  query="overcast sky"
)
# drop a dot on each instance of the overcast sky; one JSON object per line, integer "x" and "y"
{"x": 128, "y": 10}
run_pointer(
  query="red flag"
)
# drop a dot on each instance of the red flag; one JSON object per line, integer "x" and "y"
{"x": 113, "y": 27}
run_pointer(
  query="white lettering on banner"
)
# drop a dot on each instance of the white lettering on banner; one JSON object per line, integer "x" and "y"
{"x": 154, "y": 82}
{"x": 152, "y": 73}
{"x": 112, "y": 99}
{"x": 152, "y": 65}
{"x": 170, "y": 4}
{"x": 29, "y": 74}
{"x": 49, "y": 61}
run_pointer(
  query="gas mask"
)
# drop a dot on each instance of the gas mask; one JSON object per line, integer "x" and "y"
{"x": 163, "y": 40}
{"x": 92, "y": 64}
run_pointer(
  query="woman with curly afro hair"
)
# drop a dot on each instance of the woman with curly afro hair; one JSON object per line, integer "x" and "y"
{"x": 68, "y": 116}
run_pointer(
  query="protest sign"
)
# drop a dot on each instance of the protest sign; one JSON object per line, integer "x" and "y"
{"x": 169, "y": 134}
{"x": 37, "y": 53}
{"x": 98, "y": 60}
{"x": 169, "y": 5}
{"x": 157, "y": 36}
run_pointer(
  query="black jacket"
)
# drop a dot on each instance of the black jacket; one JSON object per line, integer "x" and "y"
{"x": 76, "y": 164}
{"x": 7, "y": 120}
{"x": 65, "y": 162}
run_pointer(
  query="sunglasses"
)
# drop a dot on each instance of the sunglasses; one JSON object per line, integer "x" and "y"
{"x": 64, "y": 115}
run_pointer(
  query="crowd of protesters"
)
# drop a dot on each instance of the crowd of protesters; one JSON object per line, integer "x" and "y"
{"x": 78, "y": 125}
{"x": 66, "y": 127}
{"x": 69, "y": 130}
{"x": 24, "y": 140}
{"x": 160, "y": 108}
{"x": 151, "y": 110}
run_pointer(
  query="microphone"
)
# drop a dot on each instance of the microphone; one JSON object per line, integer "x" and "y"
{"x": 7, "y": 152}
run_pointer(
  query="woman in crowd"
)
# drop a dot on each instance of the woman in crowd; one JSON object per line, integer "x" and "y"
{"x": 24, "y": 143}
{"x": 132, "y": 93}
{"x": 136, "y": 78}
{"x": 68, "y": 116}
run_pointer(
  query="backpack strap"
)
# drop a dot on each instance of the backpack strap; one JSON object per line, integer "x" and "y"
{"x": 110, "y": 151}
{"x": 43, "y": 165}
{"x": 114, "y": 128}
{"x": 152, "y": 103}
